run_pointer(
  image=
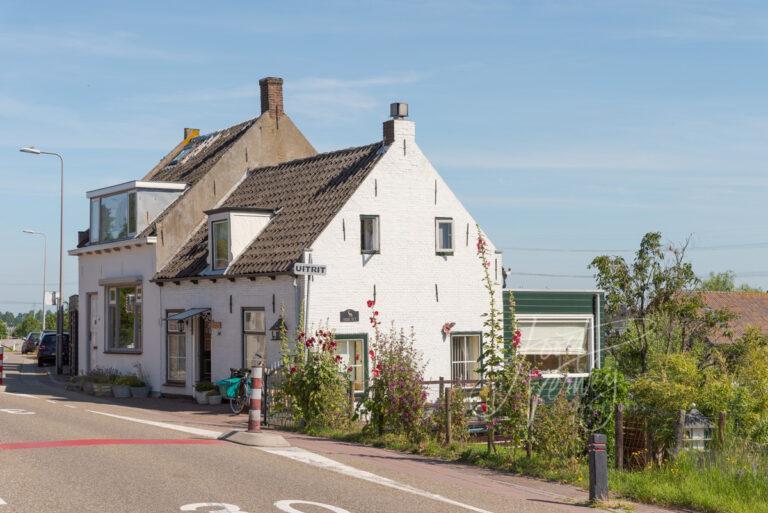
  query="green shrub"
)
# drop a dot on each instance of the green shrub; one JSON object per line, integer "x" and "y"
{"x": 605, "y": 389}
{"x": 204, "y": 386}
{"x": 459, "y": 417}
{"x": 557, "y": 432}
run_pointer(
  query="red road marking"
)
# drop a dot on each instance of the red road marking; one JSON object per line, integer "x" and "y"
{"x": 105, "y": 441}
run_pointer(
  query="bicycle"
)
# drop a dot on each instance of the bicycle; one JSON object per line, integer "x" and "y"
{"x": 240, "y": 400}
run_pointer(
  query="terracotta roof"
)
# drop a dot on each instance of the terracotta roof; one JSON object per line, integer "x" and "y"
{"x": 305, "y": 194}
{"x": 750, "y": 308}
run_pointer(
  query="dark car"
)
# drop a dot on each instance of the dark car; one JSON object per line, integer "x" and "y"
{"x": 30, "y": 342}
{"x": 46, "y": 349}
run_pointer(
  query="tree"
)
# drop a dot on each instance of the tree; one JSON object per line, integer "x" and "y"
{"x": 650, "y": 302}
{"x": 725, "y": 282}
{"x": 27, "y": 325}
{"x": 3, "y": 330}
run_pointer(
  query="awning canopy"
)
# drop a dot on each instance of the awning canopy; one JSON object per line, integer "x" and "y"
{"x": 554, "y": 336}
{"x": 186, "y": 314}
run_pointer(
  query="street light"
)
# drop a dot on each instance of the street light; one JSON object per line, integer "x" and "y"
{"x": 45, "y": 251}
{"x": 59, "y": 312}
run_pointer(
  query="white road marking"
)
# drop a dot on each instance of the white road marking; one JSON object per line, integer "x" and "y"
{"x": 228, "y": 508}
{"x": 287, "y": 506}
{"x": 17, "y": 411}
{"x": 175, "y": 427}
{"x": 317, "y": 460}
{"x": 68, "y": 406}
{"x": 308, "y": 458}
{"x": 22, "y": 395}
{"x": 52, "y": 402}
{"x": 3, "y": 503}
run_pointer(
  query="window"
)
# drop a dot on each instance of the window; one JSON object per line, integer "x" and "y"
{"x": 220, "y": 237}
{"x": 556, "y": 344}
{"x": 113, "y": 217}
{"x": 444, "y": 235}
{"x": 176, "y": 350}
{"x": 254, "y": 336}
{"x": 353, "y": 354}
{"x": 369, "y": 234}
{"x": 465, "y": 357}
{"x": 124, "y": 318}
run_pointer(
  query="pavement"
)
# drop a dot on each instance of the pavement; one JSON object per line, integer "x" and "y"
{"x": 64, "y": 451}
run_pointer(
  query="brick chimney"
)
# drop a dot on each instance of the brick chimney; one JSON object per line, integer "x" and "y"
{"x": 398, "y": 128}
{"x": 271, "y": 95}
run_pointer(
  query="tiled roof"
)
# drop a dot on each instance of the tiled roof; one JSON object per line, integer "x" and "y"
{"x": 305, "y": 193}
{"x": 194, "y": 160}
{"x": 750, "y": 308}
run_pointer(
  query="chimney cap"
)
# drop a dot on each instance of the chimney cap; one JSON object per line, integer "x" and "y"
{"x": 398, "y": 110}
{"x": 271, "y": 80}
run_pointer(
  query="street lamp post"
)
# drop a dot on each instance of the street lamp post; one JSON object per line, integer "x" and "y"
{"x": 45, "y": 252}
{"x": 59, "y": 312}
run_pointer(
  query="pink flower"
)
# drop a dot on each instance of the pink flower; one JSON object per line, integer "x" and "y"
{"x": 375, "y": 313}
{"x": 338, "y": 358}
{"x": 379, "y": 367}
{"x": 376, "y": 373}
{"x": 372, "y": 354}
{"x": 483, "y": 407}
{"x": 535, "y": 373}
{"x": 310, "y": 342}
{"x": 293, "y": 370}
{"x": 349, "y": 369}
{"x": 371, "y": 302}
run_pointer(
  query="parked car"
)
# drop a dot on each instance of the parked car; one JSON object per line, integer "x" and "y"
{"x": 30, "y": 342}
{"x": 46, "y": 350}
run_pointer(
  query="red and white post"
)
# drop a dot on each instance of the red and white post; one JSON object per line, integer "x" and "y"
{"x": 254, "y": 415}
{"x": 2, "y": 368}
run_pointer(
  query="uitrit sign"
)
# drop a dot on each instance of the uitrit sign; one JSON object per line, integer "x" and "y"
{"x": 309, "y": 269}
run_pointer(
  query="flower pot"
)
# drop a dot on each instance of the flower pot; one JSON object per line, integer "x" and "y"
{"x": 201, "y": 397}
{"x": 88, "y": 387}
{"x": 102, "y": 389}
{"x": 121, "y": 391}
{"x": 214, "y": 399}
{"x": 140, "y": 391}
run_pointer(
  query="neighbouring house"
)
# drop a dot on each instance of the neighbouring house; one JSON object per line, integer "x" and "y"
{"x": 377, "y": 221}
{"x": 750, "y": 311}
{"x": 561, "y": 333}
{"x": 136, "y": 226}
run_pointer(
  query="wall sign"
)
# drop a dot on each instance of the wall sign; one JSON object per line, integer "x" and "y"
{"x": 349, "y": 316}
{"x": 309, "y": 269}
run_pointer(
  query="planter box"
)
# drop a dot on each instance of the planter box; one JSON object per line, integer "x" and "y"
{"x": 201, "y": 397}
{"x": 139, "y": 391}
{"x": 102, "y": 389}
{"x": 88, "y": 387}
{"x": 214, "y": 399}
{"x": 121, "y": 391}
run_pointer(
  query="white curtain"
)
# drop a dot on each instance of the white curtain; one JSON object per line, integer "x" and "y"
{"x": 550, "y": 337}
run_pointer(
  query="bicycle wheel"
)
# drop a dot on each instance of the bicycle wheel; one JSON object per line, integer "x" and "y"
{"x": 238, "y": 403}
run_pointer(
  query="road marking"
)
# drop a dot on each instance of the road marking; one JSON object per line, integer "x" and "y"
{"x": 228, "y": 508}
{"x": 22, "y": 395}
{"x": 52, "y": 402}
{"x": 17, "y": 411}
{"x": 175, "y": 427}
{"x": 287, "y": 506}
{"x": 105, "y": 441}
{"x": 3, "y": 503}
{"x": 317, "y": 460}
{"x": 69, "y": 406}
{"x": 308, "y": 458}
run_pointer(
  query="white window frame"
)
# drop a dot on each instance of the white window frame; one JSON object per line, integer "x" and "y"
{"x": 376, "y": 239}
{"x": 359, "y": 365}
{"x": 214, "y": 254}
{"x": 476, "y": 363}
{"x": 177, "y": 331}
{"x": 566, "y": 318}
{"x": 439, "y": 249}
{"x": 138, "y": 323}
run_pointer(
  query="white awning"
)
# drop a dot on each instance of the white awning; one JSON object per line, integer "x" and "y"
{"x": 554, "y": 336}
{"x": 186, "y": 314}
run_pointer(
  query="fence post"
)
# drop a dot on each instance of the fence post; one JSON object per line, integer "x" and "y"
{"x": 448, "y": 434}
{"x": 254, "y": 414}
{"x": 2, "y": 368}
{"x": 351, "y": 399}
{"x": 618, "y": 427}
{"x": 598, "y": 468}
{"x": 442, "y": 388}
{"x": 679, "y": 432}
{"x": 721, "y": 430}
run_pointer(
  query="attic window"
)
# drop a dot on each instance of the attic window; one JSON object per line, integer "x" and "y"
{"x": 369, "y": 234}
{"x": 220, "y": 241}
{"x": 444, "y": 235}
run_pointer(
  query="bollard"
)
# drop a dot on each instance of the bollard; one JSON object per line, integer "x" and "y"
{"x": 598, "y": 468}
{"x": 2, "y": 368}
{"x": 254, "y": 414}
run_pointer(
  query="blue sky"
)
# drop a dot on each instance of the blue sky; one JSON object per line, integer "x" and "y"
{"x": 571, "y": 127}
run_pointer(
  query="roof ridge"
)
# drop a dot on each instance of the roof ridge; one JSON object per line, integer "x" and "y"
{"x": 317, "y": 156}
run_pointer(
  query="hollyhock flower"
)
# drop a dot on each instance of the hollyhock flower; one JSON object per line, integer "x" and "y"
{"x": 371, "y": 302}
{"x": 293, "y": 370}
{"x": 484, "y": 407}
{"x": 376, "y": 373}
{"x": 535, "y": 373}
{"x": 349, "y": 369}
{"x": 338, "y": 358}
{"x": 310, "y": 342}
{"x": 300, "y": 335}
{"x": 375, "y": 313}
{"x": 379, "y": 366}
{"x": 372, "y": 354}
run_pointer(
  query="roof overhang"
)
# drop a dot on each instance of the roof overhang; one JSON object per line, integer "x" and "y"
{"x": 109, "y": 247}
{"x": 186, "y": 314}
{"x": 136, "y": 184}
{"x": 250, "y": 210}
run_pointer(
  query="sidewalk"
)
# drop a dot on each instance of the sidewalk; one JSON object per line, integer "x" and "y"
{"x": 416, "y": 470}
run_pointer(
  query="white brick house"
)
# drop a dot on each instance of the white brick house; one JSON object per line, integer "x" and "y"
{"x": 384, "y": 224}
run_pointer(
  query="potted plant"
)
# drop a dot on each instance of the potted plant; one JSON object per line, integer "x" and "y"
{"x": 138, "y": 386}
{"x": 102, "y": 381}
{"x": 88, "y": 385}
{"x": 201, "y": 391}
{"x": 121, "y": 387}
{"x": 214, "y": 396}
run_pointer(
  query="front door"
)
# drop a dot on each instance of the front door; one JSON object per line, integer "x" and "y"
{"x": 204, "y": 343}
{"x": 92, "y": 340}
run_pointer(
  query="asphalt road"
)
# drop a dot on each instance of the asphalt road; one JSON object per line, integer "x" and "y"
{"x": 60, "y": 452}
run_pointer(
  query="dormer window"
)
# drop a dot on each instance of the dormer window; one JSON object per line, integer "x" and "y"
{"x": 113, "y": 217}
{"x": 220, "y": 238}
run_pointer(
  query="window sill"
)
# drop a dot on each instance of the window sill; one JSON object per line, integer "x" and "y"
{"x": 112, "y": 351}
{"x": 175, "y": 385}
{"x": 444, "y": 253}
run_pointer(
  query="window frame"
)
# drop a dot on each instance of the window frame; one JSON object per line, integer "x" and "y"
{"x": 377, "y": 219}
{"x": 168, "y": 333}
{"x": 138, "y": 322}
{"x": 478, "y": 334}
{"x": 565, "y": 318}
{"x": 214, "y": 259}
{"x": 244, "y": 332}
{"x": 364, "y": 356}
{"x": 439, "y": 250}
{"x": 131, "y": 216}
